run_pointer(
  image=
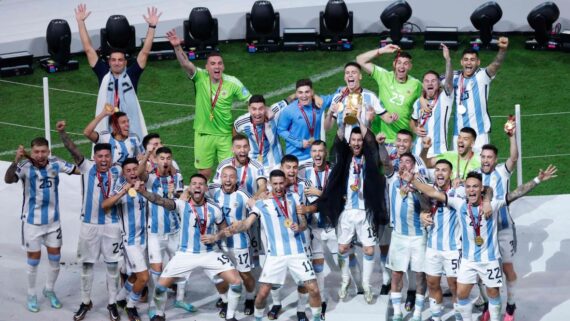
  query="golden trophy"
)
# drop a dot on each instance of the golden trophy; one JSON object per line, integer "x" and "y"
{"x": 353, "y": 106}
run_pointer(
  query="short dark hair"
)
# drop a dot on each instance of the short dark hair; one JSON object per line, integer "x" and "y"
{"x": 444, "y": 161}
{"x": 101, "y": 146}
{"x": 353, "y": 64}
{"x": 230, "y": 167}
{"x": 409, "y": 155}
{"x": 470, "y": 131}
{"x": 432, "y": 72}
{"x": 130, "y": 160}
{"x": 304, "y": 82}
{"x": 490, "y": 147}
{"x": 199, "y": 176}
{"x": 355, "y": 130}
{"x": 474, "y": 174}
{"x": 404, "y": 131}
{"x": 319, "y": 142}
{"x": 289, "y": 159}
{"x": 257, "y": 99}
{"x": 468, "y": 51}
{"x": 163, "y": 150}
{"x": 213, "y": 54}
{"x": 404, "y": 54}
{"x": 276, "y": 173}
{"x": 39, "y": 141}
{"x": 113, "y": 50}
{"x": 239, "y": 137}
{"x": 116, "y": 117}
{"x": 147, "y": 138}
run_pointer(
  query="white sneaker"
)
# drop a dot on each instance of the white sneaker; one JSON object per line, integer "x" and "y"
{"x": 368, "y": 294}
{"x": 343, "y": 291}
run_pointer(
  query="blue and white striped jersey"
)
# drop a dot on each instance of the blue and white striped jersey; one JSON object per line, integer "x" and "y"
{"x": 272, "y": 151}
{"x": 234, "y": 208}
{"x": 162, "y": 221}
{"x": 192, "y": 222}
{"x": 489, "y": 250}
{"x": 419, "y": 168}
{"x": 355, "y": 198}
{"x": 280, "y": 240}
{"x": 41, "y": 194}
{"x": 369, "y": 100}
{"x": 96, "y": 187}
{"x": 247, "y": 180}
{"x": 132, "y": 212}
{"x": 317, "y": 179}
{"x": 404, "y": 209}
{"x": 445, "y": 233}
{"x": 498, "y": 180}
{"x": 121, "y": 149}
{"x": 472, "y": 93}
{"x": 435, "y": 123}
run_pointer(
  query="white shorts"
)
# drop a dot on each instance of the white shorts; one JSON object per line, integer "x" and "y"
{"x": 183, "y": 263}
{"x": 275, "y": 269}
{"x": 438, "y": 263}
{"x": 33, "y": 236}
{"x": 241, "y": 259}
{"x": 162, "y": 245}
{"x": 353, "y": 222}
{"x": 508, "y": 244}
{"x": 491, "y": 273}
{"x": 406, "y": 251}
{"x": 384, "y": 235}
{"x": 482, "y": 139}
{"x": 136, "y": 258}
{"x": 99, "y": 239}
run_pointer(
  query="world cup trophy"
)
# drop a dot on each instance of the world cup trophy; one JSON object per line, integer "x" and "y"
{"x": 353, "y": 106}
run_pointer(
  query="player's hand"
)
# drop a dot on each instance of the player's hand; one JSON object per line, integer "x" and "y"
{"x": 370, "y": 113}
{"x": 300, "y": 209}
{"x": 170, "y": 188}
{"x": 20, "y": 154}
{"x": 388, "y": 49}
{"x": 426, "y": 219}
{"x": 381, "y": 138}
{"x": 318, "y": 101}
{"x": 503, "y": 43}
{"x": 153, "y": 16}
{"x": 185, "y": 196}
{"x": 269, "y": 114}
{"x": 208, "y": 239}
{"x": 173, "y": 38}
{"x": 421, "y": 131}
{"x": 295, "y": 227}
{"x": 251, "y": 202}
{"x": 139, "y": 186}
{"x": 81, "y": 12}
{"x": 456, "y": 182}
{"x": 265, "y": 195}
{"x": 333, "y": 109}
{"x": 108, "y": 110}
{"x": 549, "y": 173}
{"x": 394, "y": 116}
{"x": 313, "y": 191}
{"x": 60, "y": 126}
{"x": 426, "y": 142}
{"x": 445, "y": 52}
{"x": 487, "y": 209}
{"x": 306, "y": 143}
{"x": 125, "y": 188}
{"x": 407, "y": 175}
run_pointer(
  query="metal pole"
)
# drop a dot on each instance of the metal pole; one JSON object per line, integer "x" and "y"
{"x": 46, "y": 111}
{"x": 519, "y": 145}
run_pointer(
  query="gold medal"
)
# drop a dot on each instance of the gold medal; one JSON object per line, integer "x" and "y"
{"x": 116, "y": 109}
{"x": 311, "y": 140}
{"x": 170, "y": 195}
{"x": 403, "y": 193}
{"x": 260, "y": 159}
{"x": 132, "y": 192}
{"x": 108, "y": 107}
{"x": 288, "y": 223}
{"x": 479, "y": 240}
{"x": 211, "y": 116}
{"x": 354, "y": 187}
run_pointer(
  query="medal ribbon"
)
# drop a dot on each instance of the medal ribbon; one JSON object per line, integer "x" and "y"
{"x": 357, "y": 169}
{"x": 426, "y": 116}
{"x": 259, "y": 140}
{"x": 164, "y": 188}
{"x": 319, "y": 185}
{"x": 476, "y": 226}
{"x": 213, "y": 102}
{"x": 464, "y": 168}
{"x": 282, "y": 206}
{"x": 314, "y": 125}
{"x": 116, "y": 99}
{"x": 243, "y": 173}
{"x": 461, "y": 86}
{"x": 202, "y": 226}
{"x": 102, "y": 184}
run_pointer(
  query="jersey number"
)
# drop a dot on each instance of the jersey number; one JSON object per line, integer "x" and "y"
{"x": 117, "y": 247}
{"x": 223, "y": 259}
{"x": 308, "y": 266}
{"x": 454, "y": 264}
{"x": 498, "y": 274}
{"x": 243, "y": 259}
{"x": 397, "y": 99}
{"x": 46, "y": 183}
{"x": 371, "y": 233}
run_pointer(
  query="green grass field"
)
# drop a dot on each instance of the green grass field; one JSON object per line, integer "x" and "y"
{"x": 533, "y": 79}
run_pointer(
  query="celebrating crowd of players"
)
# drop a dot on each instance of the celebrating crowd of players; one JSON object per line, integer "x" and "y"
{"x": 434, "y": 209}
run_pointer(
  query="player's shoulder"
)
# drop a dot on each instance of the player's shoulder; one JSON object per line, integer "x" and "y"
{"x": 225, "y": 162}
{"x": 255, "y": 164}
{"x": 242, "y": 192}
{"x": 134, "y": 137}
{"x": 214, "y": 186}
{"x": 242, "y": 120}
{"x": 24, "y": 164}
{"x": 232, "y": 80}
{"x": 212, "y": 203}
{"x": 368, "y": 92}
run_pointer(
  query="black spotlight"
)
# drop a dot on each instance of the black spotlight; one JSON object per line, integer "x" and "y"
{"x": 118, "y": 34}
{"x": 16, "y": 63}
{"x": 483, "y": 19}
{"x": 541, "y": 19}
{"x": 393, "y": 18}
{"x": 200, "y": 33}
{"x": 335, "y": 27}
{"x": 58, "y": 36}
{"x": 262, "y": 28}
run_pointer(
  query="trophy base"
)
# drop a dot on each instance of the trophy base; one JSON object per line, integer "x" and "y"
{"x": 350, "y": 119}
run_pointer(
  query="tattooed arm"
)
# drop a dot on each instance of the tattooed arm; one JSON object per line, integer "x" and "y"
{"x": 529, "y": 186}
{"x": 160, "y": 201}
{"x": 493, "y": 68}
{"x": 68, "y": 143}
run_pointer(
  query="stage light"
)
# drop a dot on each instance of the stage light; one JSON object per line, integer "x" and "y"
{"x": 393, "y": 18}
{"x": 16, "y": 63}
{"x": 58, "y": 37}
{"x": 435, "y": 36}
{"x": 200, "y": 33}
{"x": 300, "y": 39}
{"x": 161, "y": 49}
{"x": 262, "y": 28}
{"x": 118, "y": 34}
{"x": 483, "y": 19}
{"x": 335, "y": 27}
{"x": 541, "y": 19}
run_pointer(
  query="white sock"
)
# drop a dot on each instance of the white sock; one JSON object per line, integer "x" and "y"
{"x": 276, "y": 294}
{"x": 456, "y": 309}
{"x": 234, "y": 294}
{"x": 249, "y": 295}
{"x": 302, "y": 301}
{"x": 495, "y": 308}
{"x": 112, "y": 281}
{"x": 511, "y": 292}
{"x": 125, "y": 291}
{"x": 180, "y": 290}
{"x": 133, "y": 299}
{"x": 436, "y": 311}
{"x": 386, "y": 275}
{"x": 160, "y": 298}
{"x": 396, "y": 298}
{"x": 258, "y": 313}
{"x": 53, "y": 271}
{"x": 344, "y": 267}
{"x": 419, "y": 306}
{"x": 321, "y": 285}
{"x": 355, "y": 271}
{"x": 32, "y": 275}
{"x": 224, "y": 297}
{"x": 86, "y": 282}
{"x": 316, "y": 312}
{"x": 367, "y": 269}
{"x": 465, "y": 307}
{"x": 154, "y": 275}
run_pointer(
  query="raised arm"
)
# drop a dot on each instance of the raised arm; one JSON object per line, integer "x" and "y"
{"x": 167, "y": 203}
{"x": 513, "y": 151}
{"x": 426, "y": 144}
{"x": 330, "y": 117}
{"x": 493, "y": 68}
{"x": 68, "y": 143}
{"x": 81, "y": 14}
{"x": 527, "y": 187}
{"x": 10, "y": 176}
{"x": 384, "y": 155}
{"x": 89, "y": 130}
{"x": 152, "y": 21}
{"x": 364, "y": 58}
{"x": 180, "y": 54}
{"x": 112, "y": 200}
{"x": 424, "y": 188}
{"x": 448, "y": 83}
